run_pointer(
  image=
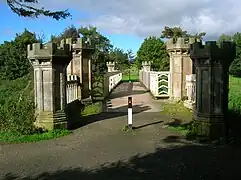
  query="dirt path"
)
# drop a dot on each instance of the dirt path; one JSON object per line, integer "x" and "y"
{"x": 101, "y": 150}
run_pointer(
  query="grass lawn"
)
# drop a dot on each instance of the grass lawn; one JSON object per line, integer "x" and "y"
{"x": 177, "y": 111}
{"x": 8, "y": 137}
{"x": 92, "y": 109}
{"x": 235, "y": 94}
{"x": 184, "y": 115}
{"x": 14, "y": 138}
{"x": 133, "y": 78}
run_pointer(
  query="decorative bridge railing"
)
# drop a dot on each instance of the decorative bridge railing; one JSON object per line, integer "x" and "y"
{"x": 73, "y": 86}
{"x": 112, "y": 79}
{"x": 157, "y": 82}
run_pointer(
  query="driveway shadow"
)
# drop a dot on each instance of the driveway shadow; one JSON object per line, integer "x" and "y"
{"x": 77, "y": 121}
{"x": 179, "y": 162}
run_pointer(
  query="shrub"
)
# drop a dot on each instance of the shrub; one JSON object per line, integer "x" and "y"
{"x": 17, "y": 106}
{"x": 235, "y": 95}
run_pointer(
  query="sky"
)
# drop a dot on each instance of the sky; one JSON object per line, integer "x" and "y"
{"x": 127, "y": 22}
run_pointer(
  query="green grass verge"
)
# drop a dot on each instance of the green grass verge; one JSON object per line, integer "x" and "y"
{"x": 184, "y": 130}
{"x": 9, "y": 137}
{"x": 133, "y": 78}
{"x": 235, "y": 94}
{"x": 184, "y": 115}
{"x": 92, "y": 109}
{"x": 177, "y": 110}
{"x": 182, "y": 118}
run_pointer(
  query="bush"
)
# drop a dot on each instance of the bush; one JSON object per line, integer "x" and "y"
{"x": 17, "y": 106}
{"x": 235, "y": 68}
{"x": 235, "y": 95}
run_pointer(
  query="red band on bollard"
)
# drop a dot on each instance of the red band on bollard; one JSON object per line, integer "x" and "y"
{"x": 129, "y": 102}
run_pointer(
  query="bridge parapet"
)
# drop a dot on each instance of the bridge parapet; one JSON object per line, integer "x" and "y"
{"x": 111, "y": 80}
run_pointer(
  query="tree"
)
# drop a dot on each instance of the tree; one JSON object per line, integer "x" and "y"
{"x": 235, "y": 67}
{"x": 13, "y": 56}
{"x": 101, "y": 42}
{"x": 153, "y": 49}
{"x": 100, "y": 57}
{"x": 131, "y": 56}
{"x": 26, "y": 8}
{"x": 175, "y": 32}
{"x": 224, "y": 37}
{"x": 69, "y": 32}
{"x": 120, "y": 58}
{"x": 102, "y": 46}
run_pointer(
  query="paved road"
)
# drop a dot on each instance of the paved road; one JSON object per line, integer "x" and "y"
{"x": 142, "y": 101}
{"x": 102, "y": 151}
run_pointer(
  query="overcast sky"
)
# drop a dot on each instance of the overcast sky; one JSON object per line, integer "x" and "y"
{"x": 147, "y": 17}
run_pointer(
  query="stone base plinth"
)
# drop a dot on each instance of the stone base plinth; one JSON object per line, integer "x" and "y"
{"x": 211, "y": 127}
{"x": 51, "y": 121}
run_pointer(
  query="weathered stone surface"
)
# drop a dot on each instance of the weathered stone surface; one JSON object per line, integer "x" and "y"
{"x": 146, "y": 66}
{"x": 212, "y": 63}
{"x": 81, "y": 65}
{"x": 110, "y": 66}
{"x": 49, "y": 63}
{"x": 180, "y": 65}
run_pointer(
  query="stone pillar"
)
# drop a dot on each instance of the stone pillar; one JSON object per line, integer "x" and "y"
{"x": 146, "y": 65}
{"x": 49, "y": 63}
{"x": 191, "y": 91}
{"x": 211, "y": 107}
{"x": 180, "y": 66}
{"x": 81, "y": 66}
{"x": 110, "y": 66}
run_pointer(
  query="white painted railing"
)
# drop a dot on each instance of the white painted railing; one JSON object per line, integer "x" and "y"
{"x": 191, "y": 91}
{"x": 72, "y": 88}
{"x": 144, "y": 77}
{"x": 157, "y": 82}
{"x": 112, "y": 79}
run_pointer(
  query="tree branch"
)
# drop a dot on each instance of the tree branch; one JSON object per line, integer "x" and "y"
{"x": 22, "y": 9}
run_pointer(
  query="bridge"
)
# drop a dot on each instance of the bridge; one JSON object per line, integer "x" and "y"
{"x": 100, "y": 149}
{"x": 73, "y": 61}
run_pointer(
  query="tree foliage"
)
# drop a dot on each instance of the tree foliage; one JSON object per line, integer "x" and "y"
{"x": 102, "y": 46}
{"x": 131, "y": 56}
{"x": 120, "y": 58}
{"x": 26, "y": 8}
{"x": 13, "y": 56}
{"x": 153, "y": 49}
{"x": 175, "y": 32}
{"x": 235, "y": 67}
{"x": 69, "y": 32}
{"x": 225, "y": 37}
{"x": 16, "y": 87}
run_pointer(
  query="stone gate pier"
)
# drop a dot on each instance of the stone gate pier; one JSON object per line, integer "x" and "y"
{"x": 212, "y": 81}
{"x": 49, "y": 63}
{"x": 180, "y": 65}
{"x": 63, "y": 75}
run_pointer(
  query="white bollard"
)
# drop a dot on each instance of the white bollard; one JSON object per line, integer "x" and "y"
{"x": 129, "y": 112}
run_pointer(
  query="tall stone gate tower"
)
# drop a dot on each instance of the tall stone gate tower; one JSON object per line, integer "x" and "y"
{"x": 49, "y": 63}
{"x": 80, "y": 65}
{"x": 180, "y": 65}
